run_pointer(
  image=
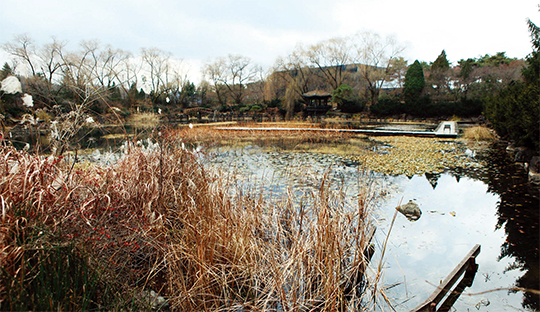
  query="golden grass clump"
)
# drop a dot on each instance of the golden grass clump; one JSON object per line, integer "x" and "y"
{"x": 159, "y": 221}
{"x": 144, "y": 120}
{"x": 479, "y": 134}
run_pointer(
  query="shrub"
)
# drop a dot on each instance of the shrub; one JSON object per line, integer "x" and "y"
{"x": 515, "y": 114}
{"x": 255, "y": 108}
{"x": 43, "y": 115}
{"x": 387, "y": 107}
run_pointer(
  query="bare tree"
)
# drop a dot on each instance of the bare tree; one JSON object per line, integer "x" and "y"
{"x": 255, "y": 91}
{"x": 129, "y": 75}
{"x": 374, "y": 57}
{"x": 233, "y": 72}
{"x": 22, "y": 47}
{"x": 331, "y": 57}
{"x": 295, "y": 71}
{"x": 110, "y": 65}
{"x": 78, "y": 70}
{"x": 215, "y": 72}
{"x": 239, "y": 72}
{"x": 293, "y": 76}
{"x": 51, "y": 59}
{"x": 156, "y": 63}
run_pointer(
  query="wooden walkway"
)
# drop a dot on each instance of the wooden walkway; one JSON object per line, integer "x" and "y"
{"x": 360, "y": 131}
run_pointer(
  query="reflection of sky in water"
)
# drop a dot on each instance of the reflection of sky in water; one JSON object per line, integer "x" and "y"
{"x": 428, "y": 249}
{"x": 419, "y": 254}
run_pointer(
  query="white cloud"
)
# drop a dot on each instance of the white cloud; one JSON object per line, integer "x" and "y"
{"x": 264, "y": 30}
{"x": 463, "y": 28}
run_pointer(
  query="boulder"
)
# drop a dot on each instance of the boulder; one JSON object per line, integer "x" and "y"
{"x": 534, "y": 170}
{"x": 523, "y": 155}
{"x": 410, "y": 210}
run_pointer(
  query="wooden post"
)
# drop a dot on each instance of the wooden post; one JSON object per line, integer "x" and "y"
{"x": 467, "y": 264}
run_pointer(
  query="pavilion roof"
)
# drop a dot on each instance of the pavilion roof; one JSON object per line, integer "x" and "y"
{"x": 317, "y": 94}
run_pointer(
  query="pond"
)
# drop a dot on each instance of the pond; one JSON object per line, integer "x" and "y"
{"x": 493, "y": 207}
{"x": 486, "y": 200}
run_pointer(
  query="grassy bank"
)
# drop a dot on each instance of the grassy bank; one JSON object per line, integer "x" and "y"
{"x": 158, "y": 231}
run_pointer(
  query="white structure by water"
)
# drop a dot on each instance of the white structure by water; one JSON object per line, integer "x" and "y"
{"x": 447, "y": 128}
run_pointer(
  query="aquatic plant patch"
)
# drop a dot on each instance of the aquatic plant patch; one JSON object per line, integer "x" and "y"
{"x": 410, "y": 156}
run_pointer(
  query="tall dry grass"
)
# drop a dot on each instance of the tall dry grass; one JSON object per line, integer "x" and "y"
{"x": 159, "y": 221}
{"x": 479, "y": 134}
{"x": 210, "y": 135}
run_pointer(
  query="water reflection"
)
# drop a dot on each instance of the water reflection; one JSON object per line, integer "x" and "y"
{"x": 433, "y": 178}
{"x": 459, "y": 209}
{"x": 517, "y": 213}
{"x": 455, "y": 217}
{"x": 95, "y": 137}
{"x": 495, "y": 207}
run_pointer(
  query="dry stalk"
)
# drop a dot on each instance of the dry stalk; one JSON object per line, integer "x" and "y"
{"x": 157, "y": 220}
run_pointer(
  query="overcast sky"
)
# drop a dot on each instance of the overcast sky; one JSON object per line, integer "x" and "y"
{"x": 199, "y": 30}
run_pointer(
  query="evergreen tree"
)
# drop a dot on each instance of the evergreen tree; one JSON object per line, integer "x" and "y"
{"x": 6, "y": 71}
{"x": 531, "y": 72}
{"x": 466, "y": 68}
{"x": 346, "y": 100}
{"x": 414, "y": 82}
{"x": 466, "y": 77}
{"x": 495, "y": 60}
{"x": 515, "y": 111}
{"x": 441, "y": 64}
{"x": 439, "y": 74}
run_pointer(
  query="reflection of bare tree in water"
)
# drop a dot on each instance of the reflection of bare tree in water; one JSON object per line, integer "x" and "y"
{"x": 518, "y": 214}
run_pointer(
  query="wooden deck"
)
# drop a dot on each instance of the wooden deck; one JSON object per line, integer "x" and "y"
{"x": 360, "y": 131}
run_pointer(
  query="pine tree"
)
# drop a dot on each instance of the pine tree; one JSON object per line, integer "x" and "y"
{"x": 441, "y": 64}
{"x": 439, "y": 73}
{"x": 414, "y": 82}
{"x": 531, "y": 73}
{"x": 6, "y": 71}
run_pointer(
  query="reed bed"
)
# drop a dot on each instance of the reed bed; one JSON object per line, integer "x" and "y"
{"x": 158, "y": 231}
{"x": 288, "y": 139}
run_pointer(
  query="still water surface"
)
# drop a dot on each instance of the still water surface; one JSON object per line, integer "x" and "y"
{"x": 493, "y": 207}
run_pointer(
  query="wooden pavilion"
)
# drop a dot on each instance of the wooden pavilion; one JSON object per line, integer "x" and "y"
{"x": 316, "y": 103}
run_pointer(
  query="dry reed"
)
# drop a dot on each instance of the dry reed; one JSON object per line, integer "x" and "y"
{"x": 479, "y": 134}
{"x": 158, "y": 220}
{"x": 206, "y": 134}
